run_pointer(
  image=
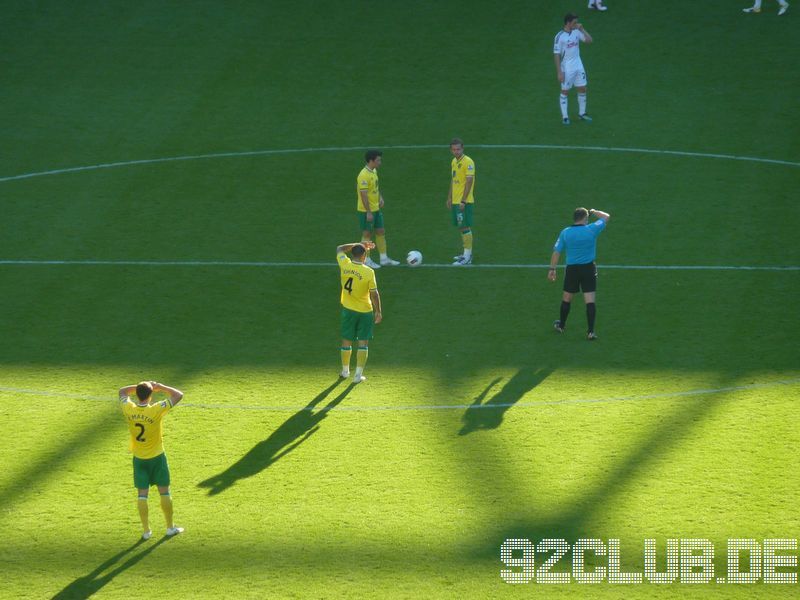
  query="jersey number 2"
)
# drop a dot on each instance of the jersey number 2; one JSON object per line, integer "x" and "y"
{"x": 348, "y": 285}
{"x": 140, "y": 437}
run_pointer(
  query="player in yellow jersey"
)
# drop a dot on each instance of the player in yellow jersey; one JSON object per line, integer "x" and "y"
{"x": 149, "y": 460}
{"x": 461, "y": 199}
{"x": 361, "y": 305}
{"x": 369, "y": 204}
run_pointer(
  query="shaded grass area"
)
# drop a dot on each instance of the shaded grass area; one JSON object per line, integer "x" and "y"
{"x": 237, "y": 209}
{"x": 204, "y": 318}
{"x": 230, "y": 77}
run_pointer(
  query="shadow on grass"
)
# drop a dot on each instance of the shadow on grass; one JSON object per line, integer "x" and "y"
{"x": 90, "y": 584}
{"x": 77, "y": 445}
{"x": 574, "y": 521}
{"x": 293, "y": 432}
{"x": 489, "y": 415}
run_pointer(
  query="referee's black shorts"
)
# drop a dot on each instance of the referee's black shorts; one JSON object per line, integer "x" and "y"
{"x": 580, "y": 277}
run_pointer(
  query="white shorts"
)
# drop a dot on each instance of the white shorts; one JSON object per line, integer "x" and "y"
{"x": 576, "y": 78}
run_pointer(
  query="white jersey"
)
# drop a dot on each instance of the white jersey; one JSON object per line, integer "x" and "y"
{"x": 566, "y": 45}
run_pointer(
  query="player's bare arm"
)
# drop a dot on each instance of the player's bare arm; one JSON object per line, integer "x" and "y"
{"x": 376, "y": 306}
{"x": 588, "y": 39}
{"x": 348, "y": 247}
{"x": 380, "y": 200}
{"x": 175, "y": 395}
{"x": 365, "y": 203}
{"x": 449, "y": 202}
{"x": 467, "y": 188}
{"x": 600, "y": 215}
{"x": 559, "y": 72}
{"x": 551, "y": 273}
{"x": 127, "y": 391}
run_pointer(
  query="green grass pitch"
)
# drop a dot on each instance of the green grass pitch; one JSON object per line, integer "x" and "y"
{"x": 232, "y": 132}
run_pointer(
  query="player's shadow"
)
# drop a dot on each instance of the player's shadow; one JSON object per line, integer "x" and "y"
{"x": 88, "y": 585}
{"x": 578, "y": 517}
{"x": 489, "y": 415}
{"x": 293, "y": 432}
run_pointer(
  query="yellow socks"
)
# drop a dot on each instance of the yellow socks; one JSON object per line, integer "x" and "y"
{"x": 361, "y": 357}
{"x": 466, "y": 238}
{"x": 361, "y": 360}
{"x": 141, "y": 504}
{"x": 166, "y": 506}
{"x": 380, "y": 243}
{"x": 346, "y": 352}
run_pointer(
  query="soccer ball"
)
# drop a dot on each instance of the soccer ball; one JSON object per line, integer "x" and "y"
{"x": 414, "y": 258}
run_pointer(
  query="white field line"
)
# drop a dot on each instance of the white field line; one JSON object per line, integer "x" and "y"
{"x": 397, "y": 408}
{"x": 281, "y": 151}
{"x": 234, "y": 263}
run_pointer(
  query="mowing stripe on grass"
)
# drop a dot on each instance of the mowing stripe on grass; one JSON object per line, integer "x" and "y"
{"x": 150, "y": 161}
{"x": 235, "y": 263}
{"x": 389, "y": 408}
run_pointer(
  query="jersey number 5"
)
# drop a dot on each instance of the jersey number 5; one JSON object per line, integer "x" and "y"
{"x": 348, "y": 285}
{"x": 140, "y": 437}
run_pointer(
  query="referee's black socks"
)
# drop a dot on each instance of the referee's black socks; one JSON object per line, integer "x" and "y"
{"x": 591, "y": 311}
{"x": 564, "y": 313}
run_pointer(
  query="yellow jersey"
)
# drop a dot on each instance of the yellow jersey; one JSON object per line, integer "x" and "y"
{"x": 357, "y": 280}
{"x": 368, "y": 182}
{"x": 462, "y": 169}
{"x": 144, "y": 424}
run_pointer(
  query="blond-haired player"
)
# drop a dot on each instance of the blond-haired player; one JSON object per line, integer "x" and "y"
{"x": 461, "y": 198}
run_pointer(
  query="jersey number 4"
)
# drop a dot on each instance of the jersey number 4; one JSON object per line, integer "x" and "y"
{"x": 140, "y": 437}
{"x": 348, "y": 285}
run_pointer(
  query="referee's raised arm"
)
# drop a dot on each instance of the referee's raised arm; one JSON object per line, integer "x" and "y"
{"x": 599, "y": 214}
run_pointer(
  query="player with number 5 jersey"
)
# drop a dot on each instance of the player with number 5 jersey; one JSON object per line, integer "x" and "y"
{"x": 361, "y": 305}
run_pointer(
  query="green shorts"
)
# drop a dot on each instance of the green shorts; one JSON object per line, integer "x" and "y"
{"x": 150, "y": 471}
{"x": 377, "y": 220}
{"x": 462, "y": 218}
{"x": 357, "y": 325}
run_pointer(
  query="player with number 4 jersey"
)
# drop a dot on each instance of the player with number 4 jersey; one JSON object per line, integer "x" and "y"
{"x": 361, "y": 305}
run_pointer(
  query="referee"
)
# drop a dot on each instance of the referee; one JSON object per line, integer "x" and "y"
{"x": 580, "y": 241}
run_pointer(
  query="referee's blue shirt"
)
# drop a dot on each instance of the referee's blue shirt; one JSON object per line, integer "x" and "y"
{"x": 580, "y": 242}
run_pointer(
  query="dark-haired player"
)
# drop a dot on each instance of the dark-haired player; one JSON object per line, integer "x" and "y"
{"x": 149, "y": 460}
{"x": 361, "y": 305}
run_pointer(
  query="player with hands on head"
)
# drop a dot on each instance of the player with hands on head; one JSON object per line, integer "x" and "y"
{"x": 144, "y": 419}
{"x": 361, "y": 305}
